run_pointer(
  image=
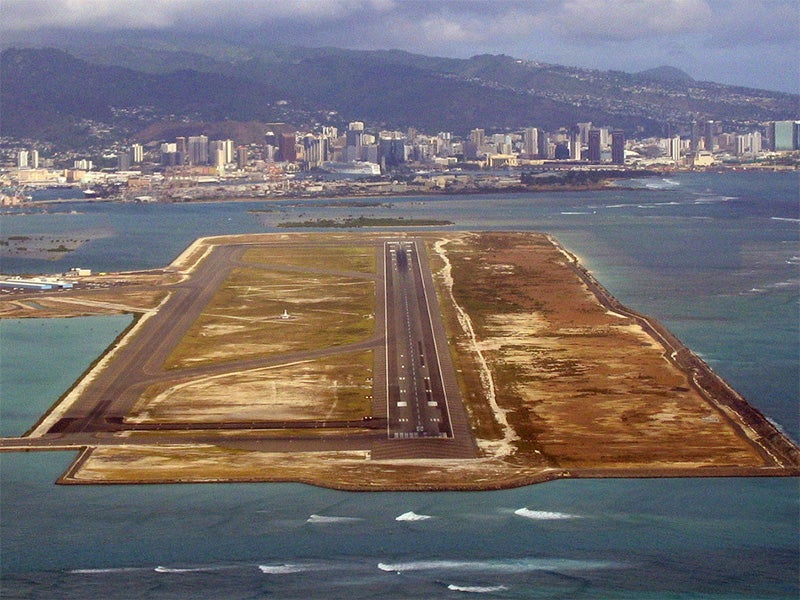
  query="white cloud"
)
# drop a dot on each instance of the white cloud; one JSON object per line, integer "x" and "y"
{"x": 624, "y": 20}
{"x": 137, "y": 14}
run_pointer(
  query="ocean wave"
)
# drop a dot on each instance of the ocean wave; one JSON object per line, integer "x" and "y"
{"x": 544, "y": 515}
{"x": 575, "y": 212}
{"x": 412, "y": 516}
{"x": 714, "y": 199}
{"x": 789, "y": 219}
{"x": 778, "y": 285}
{"x": 324, "y": 519}
{"x": 512, "y": 565}
{"x": 477, "y": 589}
{"x": 209, "y": 569}
{"x": 109, "y": 570}
{"x": 664, "y": 184}
{"x": 286, "y": 569}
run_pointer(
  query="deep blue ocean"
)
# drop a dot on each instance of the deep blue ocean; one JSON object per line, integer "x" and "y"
{"x": 715, "y": 257}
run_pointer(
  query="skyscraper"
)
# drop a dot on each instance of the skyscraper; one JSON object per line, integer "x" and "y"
{"x": 618, "y": 147}
{"x": 675, "y": 148}
{"x": 137, "y": 153}
{"x": 197, "y": 150}
{"x": 242, "y": 157}
{"x": 782, "y": 135}
{"x": 530, "y": 142}
{"x": 594, "y": 145}
{"x": 287, "y": 143}
{"x": 575, "y": 144}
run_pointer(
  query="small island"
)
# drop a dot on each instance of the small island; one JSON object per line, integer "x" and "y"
{"x": 359, "y": 222}
{"x": 389, "y": 361}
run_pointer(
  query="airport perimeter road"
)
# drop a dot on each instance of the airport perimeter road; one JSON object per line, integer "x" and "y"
{"x": 417, "y": 396}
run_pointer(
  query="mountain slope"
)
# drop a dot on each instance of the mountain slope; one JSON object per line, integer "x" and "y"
{"x": 49, "y": 94}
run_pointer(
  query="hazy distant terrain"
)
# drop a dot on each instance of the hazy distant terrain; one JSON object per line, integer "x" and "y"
{"x": 128, "y": 84}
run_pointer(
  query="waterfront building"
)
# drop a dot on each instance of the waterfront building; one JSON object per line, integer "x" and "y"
{"x": 574, "y": 144}
{"x": 674, "y": 146}
{"x": 710, "y": 132}
{"x": 242, "y": 157}
{"x": 618, "y": 147}
{"x": 695, "y": 137}
{"x": 583, "y": 130}
{"x": 593, "y": 141}
{"x": 287, "y": 147}
{"x": 197, "y": 150}
{"x": 783, "y": 136}
{"x": 530, "y": 142}
{"x": 392, "y": 151}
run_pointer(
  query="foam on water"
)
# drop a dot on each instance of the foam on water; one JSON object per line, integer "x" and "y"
{"x": 544, "y": 515}
{"x": 789, "y": 219}
{"x": 477, "y": 589}
{"x": 333, "y": 519}
{"x": 162, "y": 569}
{"x": 511, "y": 565}
{"x": 286, "y": 569}
{"x": 102, "y": 571}
{"x": 412, "y": 516}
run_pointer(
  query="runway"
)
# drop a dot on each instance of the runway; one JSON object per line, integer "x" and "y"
{"x": 416, "y": 399}
{"x": 416, "y": 395}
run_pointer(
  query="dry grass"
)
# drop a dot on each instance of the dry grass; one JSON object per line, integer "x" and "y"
{"x": 333, "y": 258}
{"x": 333, "y": 388}
{"x": 243, "y": 319}
{"x": 585, "y": 387}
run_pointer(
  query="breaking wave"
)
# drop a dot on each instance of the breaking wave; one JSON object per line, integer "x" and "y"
{"x": 544, "y": 515}
{"x": 412, "y": 516}
{"x": 664, "y": 184}
{"x": 285, "y": 569}
{"x": 324, "y": 519}
{"x": 512, "y": 565}
{"x": 477, "y": 589}
{"x": 789, "y": 219}
{"x": 100, "y": 571}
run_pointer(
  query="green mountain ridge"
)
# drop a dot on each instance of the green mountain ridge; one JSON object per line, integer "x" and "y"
{"x": 47, "y": 93}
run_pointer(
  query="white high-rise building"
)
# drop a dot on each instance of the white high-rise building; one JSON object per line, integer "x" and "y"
{"x": 34, "y": 159}
{"x": 137, "y": 153}
{"x": 531, "y": 141}
{"x": 675, "y": 148}
{"x": 22, "y": 159}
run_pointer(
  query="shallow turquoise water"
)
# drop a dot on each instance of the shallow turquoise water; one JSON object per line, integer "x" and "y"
{"x": 41, "y": 358}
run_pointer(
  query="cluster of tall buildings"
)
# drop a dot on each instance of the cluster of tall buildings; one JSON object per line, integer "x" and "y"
{"x": 28, "y": 159}
{"x": 706, "y": 143}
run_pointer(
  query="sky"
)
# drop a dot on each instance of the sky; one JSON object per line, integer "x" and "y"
{"x": 754, "y": 43}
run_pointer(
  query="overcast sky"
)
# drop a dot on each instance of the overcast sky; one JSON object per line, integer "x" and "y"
{"x": 743, "y": 42}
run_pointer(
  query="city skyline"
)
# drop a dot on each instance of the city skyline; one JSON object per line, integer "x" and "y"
{"x": 753, "y": 44}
